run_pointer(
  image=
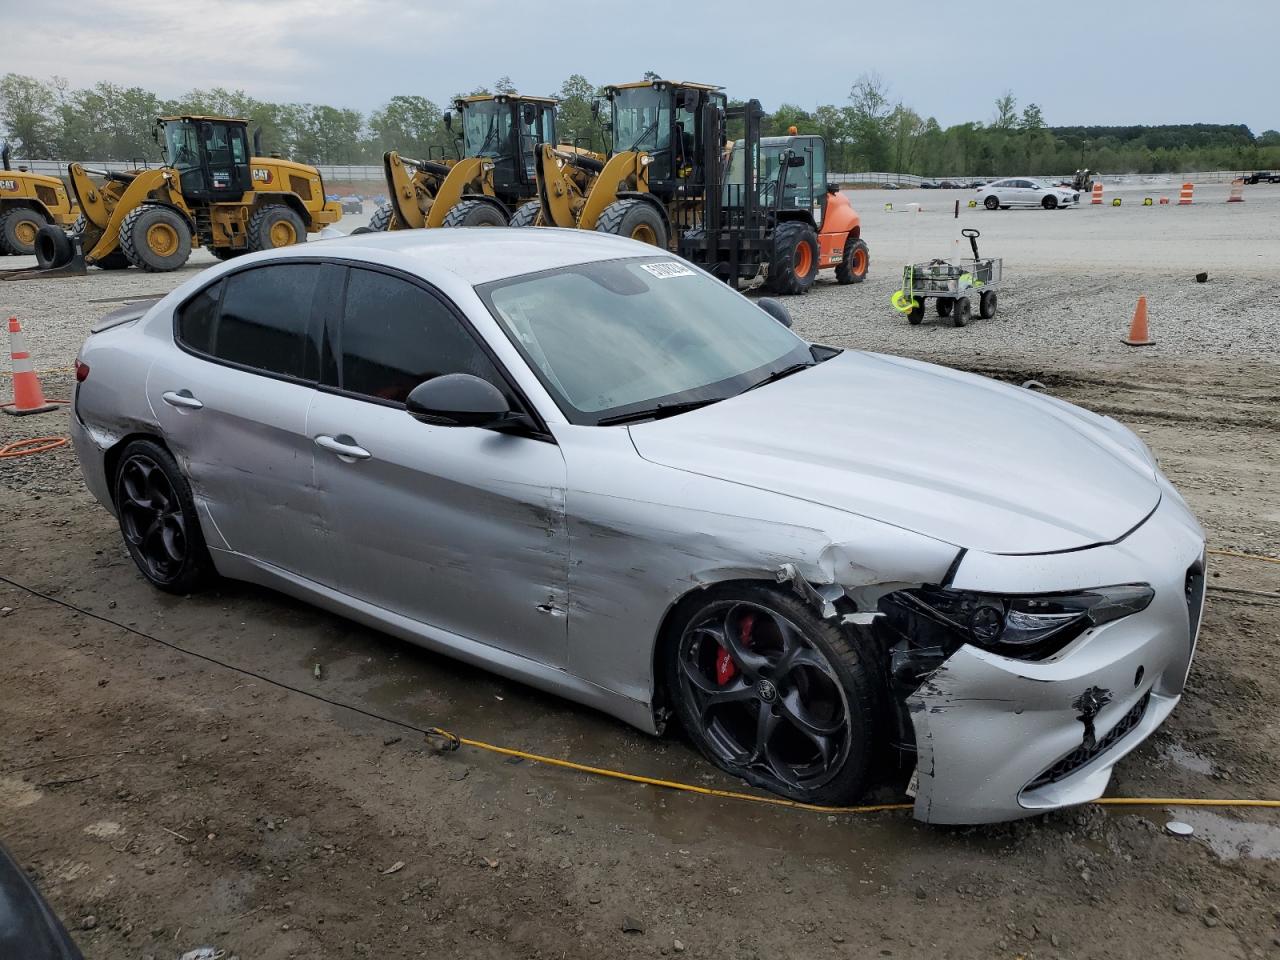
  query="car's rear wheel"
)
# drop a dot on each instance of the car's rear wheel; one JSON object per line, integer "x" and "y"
{"x": 991, "y": 203}
{"x": 158, "y": 519}
{"x": 1049, "y": 203}
{"x": 773, "y": 694}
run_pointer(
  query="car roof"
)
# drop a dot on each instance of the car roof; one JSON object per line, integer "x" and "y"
{"x": 473, "y": 254}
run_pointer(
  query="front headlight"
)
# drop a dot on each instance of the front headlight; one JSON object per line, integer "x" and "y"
{"x": 1024, "y": 627}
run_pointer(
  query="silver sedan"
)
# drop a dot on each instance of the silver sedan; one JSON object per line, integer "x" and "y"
{"x": 585, "y": 464}
{"x": 1025, "y": 192}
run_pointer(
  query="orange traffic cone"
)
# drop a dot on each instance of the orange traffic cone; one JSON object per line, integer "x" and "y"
{"x": 27, "y": 396}
{"x": 1138, "y": 336}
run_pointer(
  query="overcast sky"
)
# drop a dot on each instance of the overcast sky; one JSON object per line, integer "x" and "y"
{"x": 1118, "y": 62}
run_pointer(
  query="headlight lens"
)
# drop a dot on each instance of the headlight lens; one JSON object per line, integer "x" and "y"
{"x": 1026, "y": 627}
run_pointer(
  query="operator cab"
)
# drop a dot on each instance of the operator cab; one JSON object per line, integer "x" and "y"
{"x": 790, "y": 174}
{"x": 507, "y": 129}
{"x": 211, "y": 155}
{"x": 664, "y": 120}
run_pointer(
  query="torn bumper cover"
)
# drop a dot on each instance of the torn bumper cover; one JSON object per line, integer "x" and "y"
{"x": 998, "y": 738}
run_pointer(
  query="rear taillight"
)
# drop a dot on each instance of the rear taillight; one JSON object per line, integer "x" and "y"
{"x": 82, "y": 371}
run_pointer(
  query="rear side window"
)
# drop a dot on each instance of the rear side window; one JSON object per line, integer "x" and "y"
{"x": 395, "y": 335}
{"x": 260, "y": 318}
{"x": 197, "y": 316}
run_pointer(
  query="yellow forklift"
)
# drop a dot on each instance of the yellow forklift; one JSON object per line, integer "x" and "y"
{"x": 29, "y": 201}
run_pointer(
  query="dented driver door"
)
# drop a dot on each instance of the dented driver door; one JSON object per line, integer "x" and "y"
{"x": 461, "y": 528}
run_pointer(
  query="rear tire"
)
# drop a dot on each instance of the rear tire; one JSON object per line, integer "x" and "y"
{"x": 19, "y": 229}
{"x": 527, "y": 215}
{"x": 384, "y": 218}
{"x": 474, "y": 213}
{"x": 158, "y": 520}
{"x": 794, "y": 265}
{"x": 636, "y": 219}
{"x": 155, "y": 238}
{"x": 275, "y": 226}
{"x": 53, "y": 247}
{"x": 961, "y": 312}
{"x": 991, "y": 203}
{"x": 856, "y": 261}
{"x": 987, "y": 304}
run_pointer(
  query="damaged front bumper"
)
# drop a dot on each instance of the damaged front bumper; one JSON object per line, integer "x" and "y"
{"x": 1000, "y": 738}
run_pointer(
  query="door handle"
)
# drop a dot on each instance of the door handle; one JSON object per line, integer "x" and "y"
{"x": 343, "y": 446}
{"x": 181, "y": 398}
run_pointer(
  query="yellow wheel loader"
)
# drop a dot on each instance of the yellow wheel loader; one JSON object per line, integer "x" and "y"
{"x": 211, "y": 192}
{"x": 29, "y": 201}
{"x": 653, "y": 177}
{"x": 490, "y": 180}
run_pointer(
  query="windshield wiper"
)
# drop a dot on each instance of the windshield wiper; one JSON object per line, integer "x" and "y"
{"x": 657, "y": 412}
{"x": 784, "y": 372}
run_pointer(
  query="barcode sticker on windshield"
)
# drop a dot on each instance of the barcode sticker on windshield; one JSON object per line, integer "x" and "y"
{"x": 667, "y": 269}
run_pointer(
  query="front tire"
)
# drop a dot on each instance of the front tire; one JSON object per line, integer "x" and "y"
{"x": 794, "y": 265}
{"x": 773, "y": 694}
{"x": 474, "y": 213}
{"x": 384, "y": 218}
{"x": 1049, "y": 203}
{"x": 19, "y": 229}
{"x": 854, "y": 264}
{"x": 527, "y": 215}
{"x": 158, "y": 519}
{"x": 155, "y": 238}
{"x": 991, "y": 203}
{"x": 635, "y": 219}
{"x": 275, "y": 226}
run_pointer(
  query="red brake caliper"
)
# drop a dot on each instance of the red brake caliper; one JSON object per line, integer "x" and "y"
{"x": 725, "y": 668}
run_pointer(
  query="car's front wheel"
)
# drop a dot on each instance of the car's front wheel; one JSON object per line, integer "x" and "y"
{"x": 774, "y": 694}
{"x": 1049, "y": 203}
{"x": 158, "y": 519}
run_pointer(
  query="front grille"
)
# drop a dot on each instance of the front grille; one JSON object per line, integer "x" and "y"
{"x": 1083, "y": 755}
{"x": 1194, "y": 591}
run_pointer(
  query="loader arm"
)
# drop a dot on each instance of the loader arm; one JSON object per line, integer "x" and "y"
{"x": 461, "y": 175}
{"x": 93, "y": 205}
{"x": 556, "y": 188}
{"x": 402, "y": 191}
{"x": 624, "y": 172}
{"x": 162, "y": 182}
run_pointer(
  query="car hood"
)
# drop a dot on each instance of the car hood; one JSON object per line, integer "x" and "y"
{"x": 951, "y": 455}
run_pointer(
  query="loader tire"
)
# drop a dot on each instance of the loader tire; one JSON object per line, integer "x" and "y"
{"x": 854, "y": 264}
{"x": 474, "y": 213}
{"x": 53, "y": 247}
{"x": 527, "y": 215}
{"x": 18, "y": 230}
{"x": 384, "y": 218}
{"x": 115, "y": 260}
{"x": 635, "y": 219}
{"x": 155, "y": 238}
{"x": 275, "y": 226}
{"x": 794, "y": 265}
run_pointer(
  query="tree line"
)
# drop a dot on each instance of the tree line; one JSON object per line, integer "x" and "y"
{"x": 871, "y": 131}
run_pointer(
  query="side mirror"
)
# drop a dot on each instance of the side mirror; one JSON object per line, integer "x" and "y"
{"x": 448, "y": 120}
{"x": 795, "y": 160}
{"x": 775, "y": 309}
{"x": 457, "y": 400}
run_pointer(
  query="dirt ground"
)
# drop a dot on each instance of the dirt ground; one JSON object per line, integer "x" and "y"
{"x": 163, "y": 802}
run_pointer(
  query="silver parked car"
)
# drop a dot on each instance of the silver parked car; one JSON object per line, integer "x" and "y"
{"x": 589, "y": 466}
{"x": 1025, "y": 192}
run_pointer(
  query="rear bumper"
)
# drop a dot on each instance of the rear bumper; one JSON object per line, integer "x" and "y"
{"x": 998, "y": 739}
{"x": 91, "y": 453}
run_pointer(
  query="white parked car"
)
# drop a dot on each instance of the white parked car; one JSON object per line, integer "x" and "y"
{"x": 1025, "y": 192}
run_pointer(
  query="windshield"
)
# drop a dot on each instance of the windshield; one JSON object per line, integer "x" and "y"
{"x": 182, "y": 145}
{"x": 486, "y": 128}
{"x": 641, "y": 119}
{"x": 623, "y": 336}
